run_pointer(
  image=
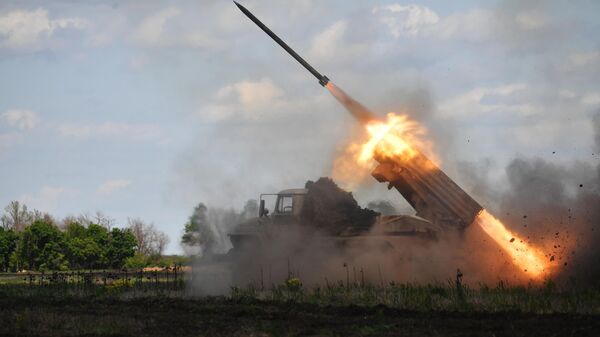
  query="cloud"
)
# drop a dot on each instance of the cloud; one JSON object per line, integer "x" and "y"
{"x": 171, "y": 27}
{"x": 410, "y": 20}
{"x": 30, "y": 30}
{"x": 137, "y": 132}
{"x": 503, "y": 99}
{"x": 581, "y": 61}
{"x": 592, "y": 98}
{"x": 253, "y": 95}
{"x": 22, "y": 119}
{"x": 584, "y": 59}
{"x": 8, "y": 140}
{"x": 325, "y": 44}
{"x": 566, "y": 93}
{"x": 46, "y": 198}
{"x": 151, "y": 30}
{"x": 419, "y": 21}
{"x": 543, "y": 134}
{"x": 111, "y": 186}
{"x": 333, "y": 45}
{"x": 531, "y": 20}
{"x": 513, "y": 24}
{"x": 246, "y": 99}
{"x": 473, "y": 25}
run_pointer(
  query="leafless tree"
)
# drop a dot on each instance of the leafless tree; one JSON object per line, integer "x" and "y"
{"x": 37, "y": 215}
{"x": 138, "y": 228}
{"x": 16, "y": 216}
{"x": 151, "y": 241}
{"x": 67, "y": 220}
{"x": 84, "y": 219}
{"x": 103, "y": 220}
{"x": 161, "y": 241}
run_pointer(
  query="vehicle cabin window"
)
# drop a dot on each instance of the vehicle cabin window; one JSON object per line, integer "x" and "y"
{"x": 285, "y": 204}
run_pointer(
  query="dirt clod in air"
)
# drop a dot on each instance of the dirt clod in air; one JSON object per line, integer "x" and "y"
{"x": 333, "y": 210}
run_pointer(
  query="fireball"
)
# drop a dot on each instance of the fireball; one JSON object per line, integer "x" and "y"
{"x": 398, "y": 136}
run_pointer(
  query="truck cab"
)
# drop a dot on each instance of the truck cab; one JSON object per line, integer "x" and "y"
{"x": 286, "y": 206}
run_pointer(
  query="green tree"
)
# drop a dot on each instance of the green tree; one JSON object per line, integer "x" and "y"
{"x": 97, "y": 247}
{"x": 75, "y": 230}
{"x": 8, "y": 244}
{"x": 98, "y": 233}
{"x": 137, "y": 261}
{"x": 42, "y": 247}
{"x": 122, "y": 245}
{"x": 101, "y": 236}
{"x": 197, "y": 232}
{"x": 85, "y": 253}
{"x": 86, "y": 246}
{"x": 53, "y": 257}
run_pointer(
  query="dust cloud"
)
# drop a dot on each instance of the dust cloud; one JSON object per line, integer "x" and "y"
{"x": 557, "y": 206}
{"x": 317, "y": 260}
{"x": 318, "y": 250}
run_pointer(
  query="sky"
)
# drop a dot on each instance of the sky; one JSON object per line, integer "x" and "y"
{"x": 146, "y": 108}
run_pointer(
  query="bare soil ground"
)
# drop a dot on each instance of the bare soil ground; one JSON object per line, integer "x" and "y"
{"x": 223, "y": 317}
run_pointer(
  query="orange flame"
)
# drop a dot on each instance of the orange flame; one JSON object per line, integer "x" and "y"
{"x": 397, "y": 137}
{"x": 394, "y": 138}
{"x": 528, "y": 258}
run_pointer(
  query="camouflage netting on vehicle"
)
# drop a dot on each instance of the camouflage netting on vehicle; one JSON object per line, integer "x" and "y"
{"x": 333, "y": 210}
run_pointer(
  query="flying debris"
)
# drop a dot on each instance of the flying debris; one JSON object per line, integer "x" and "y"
{"x": 323, "y": 80}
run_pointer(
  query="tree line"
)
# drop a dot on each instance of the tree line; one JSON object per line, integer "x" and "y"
{"x": 32, "y": 240}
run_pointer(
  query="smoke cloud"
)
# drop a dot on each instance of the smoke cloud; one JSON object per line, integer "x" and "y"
{"x": 556, "y": 206}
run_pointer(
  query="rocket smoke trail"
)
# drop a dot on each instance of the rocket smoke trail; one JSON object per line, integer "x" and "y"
{"x": 360, "y": 112}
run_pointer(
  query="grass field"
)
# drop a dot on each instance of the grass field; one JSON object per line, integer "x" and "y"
{"x": 226, "y": 317}
{"x": 146, "y": 308}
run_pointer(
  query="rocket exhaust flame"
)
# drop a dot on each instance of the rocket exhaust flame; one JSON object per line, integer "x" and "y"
{"x": 530, "y": 259}
{"x": 359, "y": 111}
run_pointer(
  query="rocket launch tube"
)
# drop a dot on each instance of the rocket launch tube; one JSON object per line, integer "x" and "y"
{"x": 323, "y": 80}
